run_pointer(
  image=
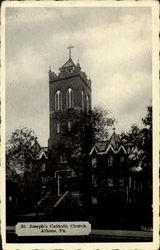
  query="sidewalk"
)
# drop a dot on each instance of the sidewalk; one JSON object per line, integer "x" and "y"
{"x": 127, "y": 234}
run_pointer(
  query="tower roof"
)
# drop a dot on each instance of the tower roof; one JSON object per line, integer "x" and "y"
{"x": 69, "y": 69}
{"x": 68, "y": 64}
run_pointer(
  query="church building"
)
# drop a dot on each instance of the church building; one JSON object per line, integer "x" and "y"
{"x": 92, "y": 176}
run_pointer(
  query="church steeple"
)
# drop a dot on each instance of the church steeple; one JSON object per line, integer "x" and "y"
{"x": 69, "y": 66}
{"x": 69, "y": 69}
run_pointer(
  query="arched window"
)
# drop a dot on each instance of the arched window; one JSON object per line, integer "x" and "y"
{"x": 58, "y": 100}
{"x": 69, "y": 98}
{"x": 69, "y": 125}
{"x": 58, "y": 127}
{"x": 110, "y": 160}
{"x": 82, "y": 99}
{"x": 87, "y": 103}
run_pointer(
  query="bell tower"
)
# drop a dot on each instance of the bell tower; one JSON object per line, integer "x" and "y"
{"x": 69, "y": 94}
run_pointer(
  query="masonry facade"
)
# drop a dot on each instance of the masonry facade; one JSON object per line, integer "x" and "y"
{"x": 69, "y": 93}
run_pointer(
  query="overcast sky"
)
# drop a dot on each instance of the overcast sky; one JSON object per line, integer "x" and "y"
{"x": 112, "y": 44}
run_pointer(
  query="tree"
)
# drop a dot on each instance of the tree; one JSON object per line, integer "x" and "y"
{"x": 19, "y": 150}
{"x": 86, "y": 130}
{"x": 147, "y": 121}
{"x": 101, "y": 122}
{"x": 139, "y": 143}
{"x": 21, "y": 167}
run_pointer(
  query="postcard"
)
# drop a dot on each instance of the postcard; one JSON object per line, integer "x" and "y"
{"x": 80, "y": 125}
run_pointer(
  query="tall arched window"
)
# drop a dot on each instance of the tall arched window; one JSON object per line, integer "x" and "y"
{"x": 87, "y": 103}
{"x": 69, "y": 125}
{"x": 58, "y": 127}
{"x": 58, "y": 100}
{"x": 69, "y": 98}
{"x": 82, "y": 99}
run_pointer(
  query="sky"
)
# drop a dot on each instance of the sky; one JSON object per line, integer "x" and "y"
{"x": 114, "y": 48}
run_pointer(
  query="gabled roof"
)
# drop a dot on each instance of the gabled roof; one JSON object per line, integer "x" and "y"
{"x": 45, "y": 150}
{"x": 40, "y": 154}
{"x": 35, "y": 147}
{"x": 115, "y": 141}
{"x": 101, "y": 146}
{"x": 68, "y": 64}
{"x": 37, "y": 152}
{"x": 114, "y": 144}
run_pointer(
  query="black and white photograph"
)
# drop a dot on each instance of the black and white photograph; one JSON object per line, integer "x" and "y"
{"x": 79, "y": 143}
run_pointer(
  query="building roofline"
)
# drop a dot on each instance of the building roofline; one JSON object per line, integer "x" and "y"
{"x": 107, "y": 149}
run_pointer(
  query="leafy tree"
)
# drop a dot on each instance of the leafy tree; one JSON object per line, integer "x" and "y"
{"x": 86, "y": 129}
{"x": 133, "y": 141}
{"x": 101, "y": 122}
{"x": 139, "y": 143}
{"x": 21, "y": 168}
{"x": 19, "y": 150}
{"x": 147, "y": 121}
